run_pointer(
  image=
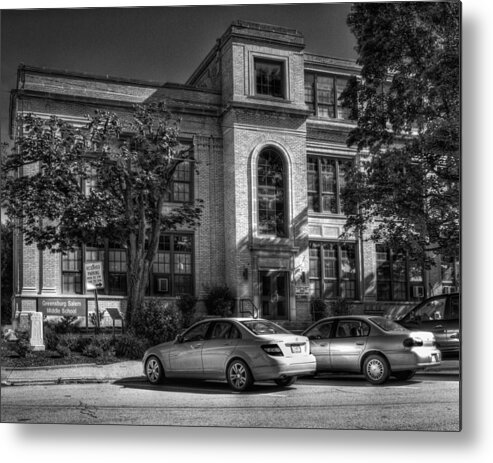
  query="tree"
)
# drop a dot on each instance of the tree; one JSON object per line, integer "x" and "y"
{"x": 6, "y": 266}
{"x": 405, "y": 189}
{"x": 126, "y": 167}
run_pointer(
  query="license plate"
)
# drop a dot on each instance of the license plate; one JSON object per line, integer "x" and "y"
{"x": 295, "y": 349}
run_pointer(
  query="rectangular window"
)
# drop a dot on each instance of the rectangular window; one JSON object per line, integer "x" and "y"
{"x": 326, "y": 178}
{"x": 117, "y": 270}
{"x": 322, "y": 92}
{"x": 269, "y": 78}
{"x": 180, "y": 190}
{"x": 172, "y": 270}
{"x": 333, "y": 270}
{"x": 396, "y": 276}
{"x": 72, "y": 272}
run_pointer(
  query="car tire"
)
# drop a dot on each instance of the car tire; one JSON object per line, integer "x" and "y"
{"x": 154, "y": 370}
{"x": 376, "y": 369}
{"x": 239, "y": 376}
{"x": 286, "y": 381}
{"x": 404, "y": 375}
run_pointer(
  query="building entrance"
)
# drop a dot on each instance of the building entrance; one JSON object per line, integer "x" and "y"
{"x": 274, "y": 294}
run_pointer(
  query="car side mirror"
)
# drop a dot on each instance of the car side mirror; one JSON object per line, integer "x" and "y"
{"x": 179, "y": 339}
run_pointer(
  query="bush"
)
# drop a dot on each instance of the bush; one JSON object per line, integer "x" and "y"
{"x": 100, "y": 347}
{"x": 51, "y": 338}
{"x": 66, "y": 325}
{"x": 319, "y": 309}
{"x": 158, "y": 321}
{"x": 23, "y": 345}
{"x": 63, "y": 349}
{"x": 186, "y": 305}
{"x": 130, "y": 346}
{"x": 219, "y": 301}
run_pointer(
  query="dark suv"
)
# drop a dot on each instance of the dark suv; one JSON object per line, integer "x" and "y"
{"x": 441, "y": 316}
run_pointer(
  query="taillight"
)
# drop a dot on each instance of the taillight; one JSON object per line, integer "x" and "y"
{"x": 412, "y": 342}
{"x": 273, "y": 349}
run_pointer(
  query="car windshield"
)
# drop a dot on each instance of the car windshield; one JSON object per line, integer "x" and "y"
{"x": 387, "y": 325}
{"x": 264, "y": 327}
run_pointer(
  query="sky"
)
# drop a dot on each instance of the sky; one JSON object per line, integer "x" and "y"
{"x": 157, "y": 43}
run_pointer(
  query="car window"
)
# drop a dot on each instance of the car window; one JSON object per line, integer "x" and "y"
{"x": 351, "y": 329}
{"x": 220, "y": 330}
{"x": 264, "y": 327}
{"x": 431, "y": 310}
{"x": 454, "y": 310}
{"x": 320, "y": 331}
{"x": 387, "y": 325}
{"x": 196, "y": 333}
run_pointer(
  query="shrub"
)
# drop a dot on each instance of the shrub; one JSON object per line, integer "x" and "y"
{"x": 319, "y": 308}
{"x": 63, "y": 349}
{"x": 23, "y": 345}
{"x": 75, "y": 342}
{"x": 219, "y": 301}
{"x": 66, "y": 325}
{"x": 130, "y": 346}
{"x": 51, "y": 338}
{"x": 100, "y": 347}
{"x": 158, "y": 321}
{"x": 186, "y": 305}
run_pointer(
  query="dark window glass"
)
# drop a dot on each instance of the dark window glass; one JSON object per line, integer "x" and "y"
{"x": 322, "y": 94}
{"x": 180, "y": 190}
{"x": 326, "y": 178}
{"x": 72, "y": 272}
{"x": 269, "y": 78}
{"x": 396, "y": 275}
{"x": 271, "y": 194}
{"x": 333, "y": 270}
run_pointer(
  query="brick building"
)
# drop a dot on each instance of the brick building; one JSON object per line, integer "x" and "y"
{"x": 265, "y": 125}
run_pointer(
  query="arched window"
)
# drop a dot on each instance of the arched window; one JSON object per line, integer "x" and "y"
{"x": 271, "y": 194}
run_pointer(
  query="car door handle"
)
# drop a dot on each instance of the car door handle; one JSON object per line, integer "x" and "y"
{"x": 360, "y": 343}
{"x": 324, "y": 344}
{"x": 196, "y": 346}
{"x": 438, "y": 327}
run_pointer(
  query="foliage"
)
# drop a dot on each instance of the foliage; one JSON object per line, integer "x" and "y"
{"x": 319, "y": 308}
{"x": 127, "y": 166}
{"x": 185, "y": 303}
{"x": 219, "y": 300}
{"x": 405, "y": 189}
{"x": 130, "y": 346}
{"x": 23, "y": 345}
{"x": 6, "y": 271}
{"x": 100, "y": 347}
{"x": 50, "y": 336}
{"x": 157, "y": 321}
{"x": 96, "y": 319}
{"x": 67, "y": 324}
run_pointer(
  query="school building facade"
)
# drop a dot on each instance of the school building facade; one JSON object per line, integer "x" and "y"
{"x": 268, "y": 131}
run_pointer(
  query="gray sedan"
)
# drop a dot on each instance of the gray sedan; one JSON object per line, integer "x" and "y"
{"x": 239, "y": 350}
{"x": 372, "y": 345}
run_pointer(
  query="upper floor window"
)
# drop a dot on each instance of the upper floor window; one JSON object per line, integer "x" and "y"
{"x": 326, "y": 178}
{"x": 271, "y": 194}
{"x": 269, "y": 78}
{"x": 322, "y": 92}
{"x": 180, "y": 190}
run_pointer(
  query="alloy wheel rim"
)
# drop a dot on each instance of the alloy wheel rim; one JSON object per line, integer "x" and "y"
{"x": 238, "y": 375}
{"x": 152, "y": 370}
{"x": 375, "y": 369}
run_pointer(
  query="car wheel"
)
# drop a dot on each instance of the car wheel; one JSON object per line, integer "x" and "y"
{"x": 154, "y": 370}
{"x": 239, "y": 376}
{"x": 404, "y": 375}
{"x": 286, "y": 381}
{"x": 376, "y": 369}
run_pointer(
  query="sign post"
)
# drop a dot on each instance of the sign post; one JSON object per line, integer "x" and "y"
{"x": 95, "y": 281}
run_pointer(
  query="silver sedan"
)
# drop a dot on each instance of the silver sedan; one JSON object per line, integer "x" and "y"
{"x": 372, "y": 345}
{"x": 239, "y": 350}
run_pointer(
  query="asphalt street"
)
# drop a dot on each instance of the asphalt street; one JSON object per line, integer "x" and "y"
{"x": 427, "y": 402}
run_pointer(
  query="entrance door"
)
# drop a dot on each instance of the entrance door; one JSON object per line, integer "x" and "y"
{"x": 274, "y": 294}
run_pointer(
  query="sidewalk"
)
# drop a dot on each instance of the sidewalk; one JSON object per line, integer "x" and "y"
{"x": 93, "y": 373}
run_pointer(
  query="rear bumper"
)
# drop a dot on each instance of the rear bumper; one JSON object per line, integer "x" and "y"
{"x": 416, "y": 357}
{"x": 278, "y": 367}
